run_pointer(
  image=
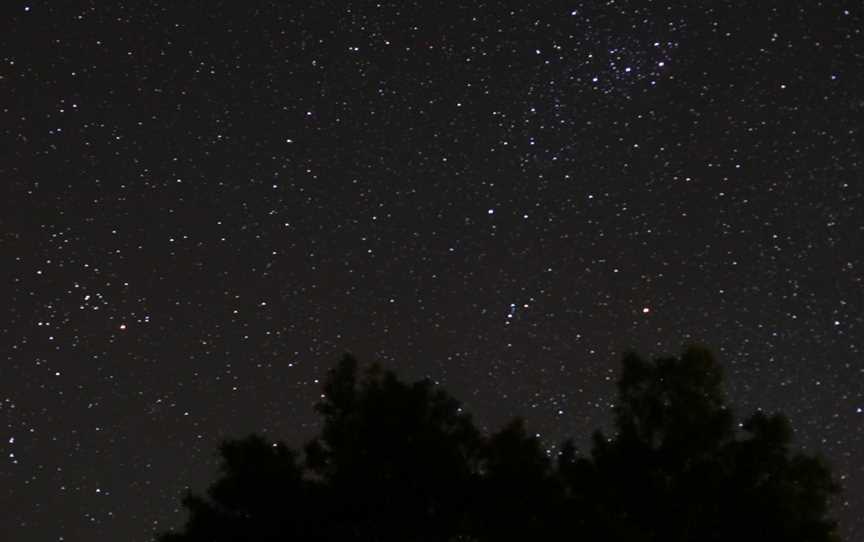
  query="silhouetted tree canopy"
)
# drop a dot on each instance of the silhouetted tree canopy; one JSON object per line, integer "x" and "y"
{"x": 399, "y": 461}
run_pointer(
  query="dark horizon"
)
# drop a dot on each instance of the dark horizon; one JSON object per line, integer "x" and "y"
{"x": 397, "y": 460}
{"x": 205, "y": 204}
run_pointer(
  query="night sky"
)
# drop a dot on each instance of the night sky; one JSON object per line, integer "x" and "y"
{"x": 203, "y": 204}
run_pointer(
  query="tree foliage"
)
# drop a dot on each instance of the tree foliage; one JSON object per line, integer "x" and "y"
{"x": 403, "y": 461}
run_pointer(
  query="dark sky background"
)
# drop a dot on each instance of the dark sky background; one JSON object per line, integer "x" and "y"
{"x": 204, "y": 203}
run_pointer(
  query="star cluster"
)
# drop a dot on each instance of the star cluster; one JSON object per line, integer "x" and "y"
{"x": 205, "y": 203}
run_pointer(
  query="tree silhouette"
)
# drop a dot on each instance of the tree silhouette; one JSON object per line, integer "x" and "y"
{"x": 677, "y": 470}
{"x": 261, "y": 495}
{"x": 400, "y": 461}
{"x": 518, "y": 487}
